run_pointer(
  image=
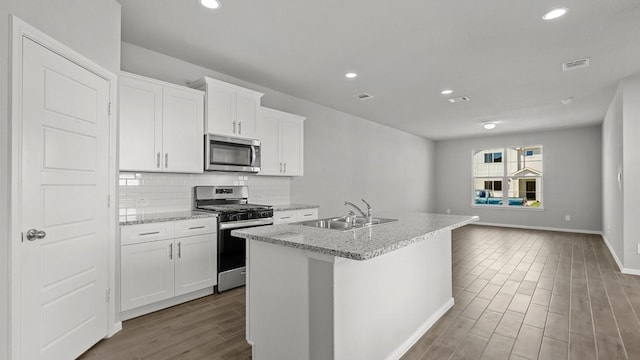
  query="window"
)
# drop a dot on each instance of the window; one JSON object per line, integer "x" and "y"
{"x": 493, "y": 157}
{"x": 508, "y": 177}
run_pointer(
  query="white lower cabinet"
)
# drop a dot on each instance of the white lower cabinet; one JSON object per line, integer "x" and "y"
{"x": 291, "y": 216}
{"x": 163, "y": 264}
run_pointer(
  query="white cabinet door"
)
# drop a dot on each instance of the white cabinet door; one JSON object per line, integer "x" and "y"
{"x": 183, "y": 130}
{"x": 147, "y": 273}
{"x": 195, "y": 266}
{"x": 292, "y": 146}
{"x": 221, "y": 109}
{"x": 281, "y": 133}
{"x": 231, "y": 110}
{"x": 140, "y": 125}
{"x": 247, "y": 104}
{"x": 268, "y": 130}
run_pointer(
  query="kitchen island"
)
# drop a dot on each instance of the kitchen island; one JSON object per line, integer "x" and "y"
{"x": 367, "y": 293}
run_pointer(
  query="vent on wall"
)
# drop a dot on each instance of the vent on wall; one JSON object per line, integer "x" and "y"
{"x": 363, "y": 96}
{"x": 576, "y": 64}
{"x": 458, "y": 99}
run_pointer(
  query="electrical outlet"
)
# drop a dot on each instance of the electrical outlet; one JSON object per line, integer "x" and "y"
{"x": 260, "y": 197}
{"x": 142, "y": 201}
{"x": 567, "y": 218}
{"x": 448, "y": 211}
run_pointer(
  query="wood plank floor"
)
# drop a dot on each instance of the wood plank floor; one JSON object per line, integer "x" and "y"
{"x": 519, "y": 294}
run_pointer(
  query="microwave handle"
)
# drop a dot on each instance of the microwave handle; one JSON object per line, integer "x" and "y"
{"x": 253, "y": 155}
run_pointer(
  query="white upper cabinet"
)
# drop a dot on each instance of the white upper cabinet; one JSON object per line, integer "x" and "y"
{"x": 282, "y": 148}
{"x": 231, "y": 110}
{"x": 161, "y": 126}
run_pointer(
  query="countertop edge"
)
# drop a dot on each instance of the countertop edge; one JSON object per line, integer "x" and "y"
{"x": 293, "y": 207}
{"x": 162, "y": 217}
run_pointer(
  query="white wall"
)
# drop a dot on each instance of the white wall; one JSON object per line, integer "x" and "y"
{"x": 631, "y": 171}
{"x": 612, "y": 195}
{"x": 572, "y": 181}
{"x": 92, "y": 28}
{"x": 621, "y": 153}
{"x": 346, "y": 157}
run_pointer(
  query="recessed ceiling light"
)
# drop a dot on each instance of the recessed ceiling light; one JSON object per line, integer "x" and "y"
{"x": 566, "y": 101}
{"x": 446, "y": 92}
{"x": 350, "y": 75}
{"x": 210, "y": 4}
{"x": 554, "y": 14}
{"x": 489, "y": 126}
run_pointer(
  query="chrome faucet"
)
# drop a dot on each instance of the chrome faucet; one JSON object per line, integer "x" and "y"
{"x": 368, "y": 215}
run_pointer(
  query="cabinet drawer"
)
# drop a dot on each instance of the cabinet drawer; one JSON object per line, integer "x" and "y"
{"x": 289, "y": 216}
{"x": 195, "y": 227}
{"x": 134, "y": 234}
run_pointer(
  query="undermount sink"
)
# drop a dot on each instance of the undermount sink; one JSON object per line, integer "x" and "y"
{"x": 340, "y": 223}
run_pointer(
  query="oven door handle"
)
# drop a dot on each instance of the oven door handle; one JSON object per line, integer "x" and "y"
{"x": 244, "y": 224}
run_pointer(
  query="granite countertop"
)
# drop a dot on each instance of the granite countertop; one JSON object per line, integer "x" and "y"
{"x": 136, "y": 219}
{"x": 288, "y": 207}
{"x": 362, "y": 243}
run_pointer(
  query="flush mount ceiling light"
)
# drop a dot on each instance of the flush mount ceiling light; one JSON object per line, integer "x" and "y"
{"x": 446, "y": 92}
{"x": 350, "y": 75}
{"x": 566, "y": 101}
{"x": 210, "y": 4}
{"x": 489, "y": 126}
{"x": 555, "y": 13}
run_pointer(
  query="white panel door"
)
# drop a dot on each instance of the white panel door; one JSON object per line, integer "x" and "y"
{"x": 268, "y": 133}
{"x": 140, "y": 125}
{"x": 292, "y": 146}
{"x": 195, "y": 263}
{"x": 147, "y": 273}
{"x": 183, "y": 130}
{"x": 64, "y": 171}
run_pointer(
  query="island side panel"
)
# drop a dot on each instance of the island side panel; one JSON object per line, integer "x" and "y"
{"x": 383, "y": 305}
{"x": 278, "y": 302}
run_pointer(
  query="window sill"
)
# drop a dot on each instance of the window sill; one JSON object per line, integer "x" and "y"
{"x": 502, "y": 207}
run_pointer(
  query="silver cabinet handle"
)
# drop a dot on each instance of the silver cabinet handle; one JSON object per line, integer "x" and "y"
{"x": 285, "y": 167}
{"x": 149, "y": 233}
{"x": 285, "y": 217}
{"x": 33, "y": 234}
{"x": 234, "y": 127}
{"x": 166, "y": 160}
{"x": 239, "y": 127}
{"x": 196, "y": 227}
{"x": 280, "y": 167}
{"x": 171, "y": 251}
{"x": 158, "y": 160}
{"x": 179, "y": 249}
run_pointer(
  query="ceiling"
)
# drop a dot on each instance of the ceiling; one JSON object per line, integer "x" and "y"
{"x": 499, "y": 53}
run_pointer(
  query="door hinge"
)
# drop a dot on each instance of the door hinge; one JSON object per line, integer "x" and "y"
{"x": 107, "y": 295}
{"x": 109, "y": 108}
{"x": 108, "y": 201}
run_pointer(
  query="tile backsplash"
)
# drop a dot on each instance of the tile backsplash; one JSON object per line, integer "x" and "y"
{"x": 144, "y": 193}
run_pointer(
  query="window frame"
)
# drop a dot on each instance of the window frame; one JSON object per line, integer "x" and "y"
{"x": 505, "y": 178}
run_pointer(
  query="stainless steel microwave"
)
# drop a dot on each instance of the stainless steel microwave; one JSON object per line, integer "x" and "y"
{"x": 223, "y": 153}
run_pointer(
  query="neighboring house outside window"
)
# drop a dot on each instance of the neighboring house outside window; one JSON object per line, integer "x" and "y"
{"x": 508, "y": 176}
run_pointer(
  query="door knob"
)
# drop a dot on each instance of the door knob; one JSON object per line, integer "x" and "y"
{"x": 34, "y": 234}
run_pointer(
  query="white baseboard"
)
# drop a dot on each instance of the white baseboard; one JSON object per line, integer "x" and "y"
{"x": 142, "y": 310}
{"x": 405, "y": 346}
{"x": 615, "y": 257}
{"x": 114, "y": 329}
{"x": 546, "y": 228}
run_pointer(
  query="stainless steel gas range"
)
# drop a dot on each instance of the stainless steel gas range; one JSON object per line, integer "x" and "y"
{"x": 231, "y": 203}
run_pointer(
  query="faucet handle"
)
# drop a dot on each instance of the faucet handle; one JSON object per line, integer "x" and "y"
{"x": 366, "y": 203}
